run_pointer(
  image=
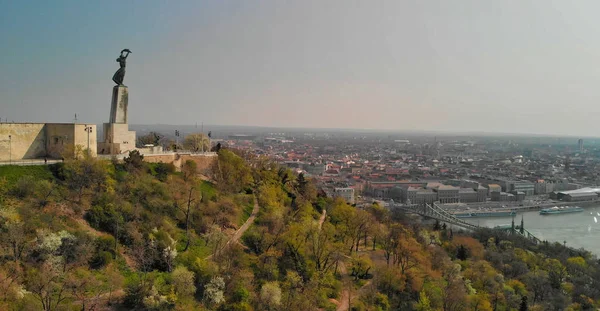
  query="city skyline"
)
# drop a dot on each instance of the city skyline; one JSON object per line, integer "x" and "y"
{"x": 424, "y": 66}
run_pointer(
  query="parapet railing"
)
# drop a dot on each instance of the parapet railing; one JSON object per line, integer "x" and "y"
{"x": 24, "y": 162}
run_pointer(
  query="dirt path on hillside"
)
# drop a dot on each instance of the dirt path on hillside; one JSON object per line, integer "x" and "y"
{"x": 346, "y": 283}
{"x": 240, "y": 232}
{"x": 348, "y": 295}
{"x": 322, "y": 219}
{"x": 86, "y": 226}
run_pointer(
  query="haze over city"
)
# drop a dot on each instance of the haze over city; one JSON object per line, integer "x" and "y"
{"x": 482, "y": 66}
{"x": 299, "y": 155}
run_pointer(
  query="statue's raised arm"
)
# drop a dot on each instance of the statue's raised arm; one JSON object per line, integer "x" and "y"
{"x": 125, "y": 51}
{"x": 119, "y": 76}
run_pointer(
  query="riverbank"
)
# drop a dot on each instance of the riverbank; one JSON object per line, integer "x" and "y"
{"x": 578, "y": 230}
{"x": 534, "y": 207}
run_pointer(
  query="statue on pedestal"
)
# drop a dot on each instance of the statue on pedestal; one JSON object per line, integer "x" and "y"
{"x": 120, "y": 74}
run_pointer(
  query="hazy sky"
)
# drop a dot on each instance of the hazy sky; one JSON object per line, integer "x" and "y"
{"x": 508, "y": 66}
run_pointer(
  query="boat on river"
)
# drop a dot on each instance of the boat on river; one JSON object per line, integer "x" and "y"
{"x": 485, "y": 214}
{"x": 561, "y": 210}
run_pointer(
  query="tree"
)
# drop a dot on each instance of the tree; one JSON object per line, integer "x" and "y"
{"x": 471, "y": 248}
{"x": 453, "y": 289}
{"x": 47, "y": 286}
{"x": 306, "y": 189}
{"x": 163, "y": 170}
{"x": 11, "y": 291}
{"x": 85, "y": 288}
{"x": 462, "y": 253}
{"x": 186, "y": 198}
{"x": 524, "y": 306}
{"x": 270, "y": 295}
{"x": 88, "y": 173}
{"x": 389, "y": 240}
{"x": 189, "y": 170}
{"x": 436, "y": 225}
{"x": 538, "y": 283}
{"x": 134, "y": 162}
{"x": 151, "y": 138}
{"x": 63, "y": 250}
{"x": 114, "y": 279}
{"x": 183, "y": 281}
{"x": 408, "y": 254}
{"x": 423, "y": 304}
{"x": 196, "y": 142}
{"x": 322, "y": 248}
{"x": 292, "y": 286}
{"x": 557, "y": 273}
{"x": 13, "y": 233}
{"x": 213, "y": 291}
{"x": 159, "y": 297}
{"x": 351, "y": 223}
{"x": 576, "y": 265}
{"x": 480, "y": 302}
{"x": 216, "y": 148}
{"x": 231, "y": 172}
{"x": 360, "y": 267}
{"x": 215, "y": 238}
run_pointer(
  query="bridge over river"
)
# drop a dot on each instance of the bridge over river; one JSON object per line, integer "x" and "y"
{"x": 436, "y": 212}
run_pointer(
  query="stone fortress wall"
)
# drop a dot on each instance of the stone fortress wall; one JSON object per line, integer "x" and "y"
{"x": 204, "y": 161}
{"x": 27, "y": 141}
{"x": 40, "y": 140}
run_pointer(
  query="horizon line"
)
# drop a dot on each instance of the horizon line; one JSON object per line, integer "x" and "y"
{"x": 416, "y": 131}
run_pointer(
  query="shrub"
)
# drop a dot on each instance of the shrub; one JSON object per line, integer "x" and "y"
{"x": 101, "y": 259}
{"x": 104, "y": 252}
{"x": 24, "y": 187}
{"x": 104, "y": 218}
{"x": 57, "y": 170}
{"x": 162, "y": 170}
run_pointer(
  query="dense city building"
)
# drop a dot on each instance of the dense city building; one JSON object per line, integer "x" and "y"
{"x": 451, "y": 172}
{"x": 345, "y": 193}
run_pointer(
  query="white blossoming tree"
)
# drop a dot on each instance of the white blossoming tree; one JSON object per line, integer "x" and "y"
{"x": 270, "y": 295}
{"x": 213, "y": 291}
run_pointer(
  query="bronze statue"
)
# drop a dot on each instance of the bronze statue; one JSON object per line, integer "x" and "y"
{"x": 120, "y": 74}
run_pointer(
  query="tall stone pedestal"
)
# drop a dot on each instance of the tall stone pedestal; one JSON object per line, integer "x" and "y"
{"x": 118, "y": 107}
{"x": 118, "y": 138}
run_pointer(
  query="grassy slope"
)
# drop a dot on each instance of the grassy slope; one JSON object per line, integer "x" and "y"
{"x": 12, "y": 173}
{"x": 246, "y": 212}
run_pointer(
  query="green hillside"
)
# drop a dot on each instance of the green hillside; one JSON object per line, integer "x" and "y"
{"x": 100, "y": 235}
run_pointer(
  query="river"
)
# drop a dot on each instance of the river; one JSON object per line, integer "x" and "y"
{"x": 580, "y": 229}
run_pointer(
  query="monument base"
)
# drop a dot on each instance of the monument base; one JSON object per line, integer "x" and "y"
{"x": 117, "y": 139}
{"x": 119, "y": 103}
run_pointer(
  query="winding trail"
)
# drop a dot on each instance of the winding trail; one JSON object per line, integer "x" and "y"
{"x": 348, "y": 294}
{"x": 86, "y": 226}
{"x": 235, "y": 238}
{"x": 343, "y": 304}
{"x": 238, "y": 234}
{"x": 347, "y": 282}
{"x": 322, "y": 219}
